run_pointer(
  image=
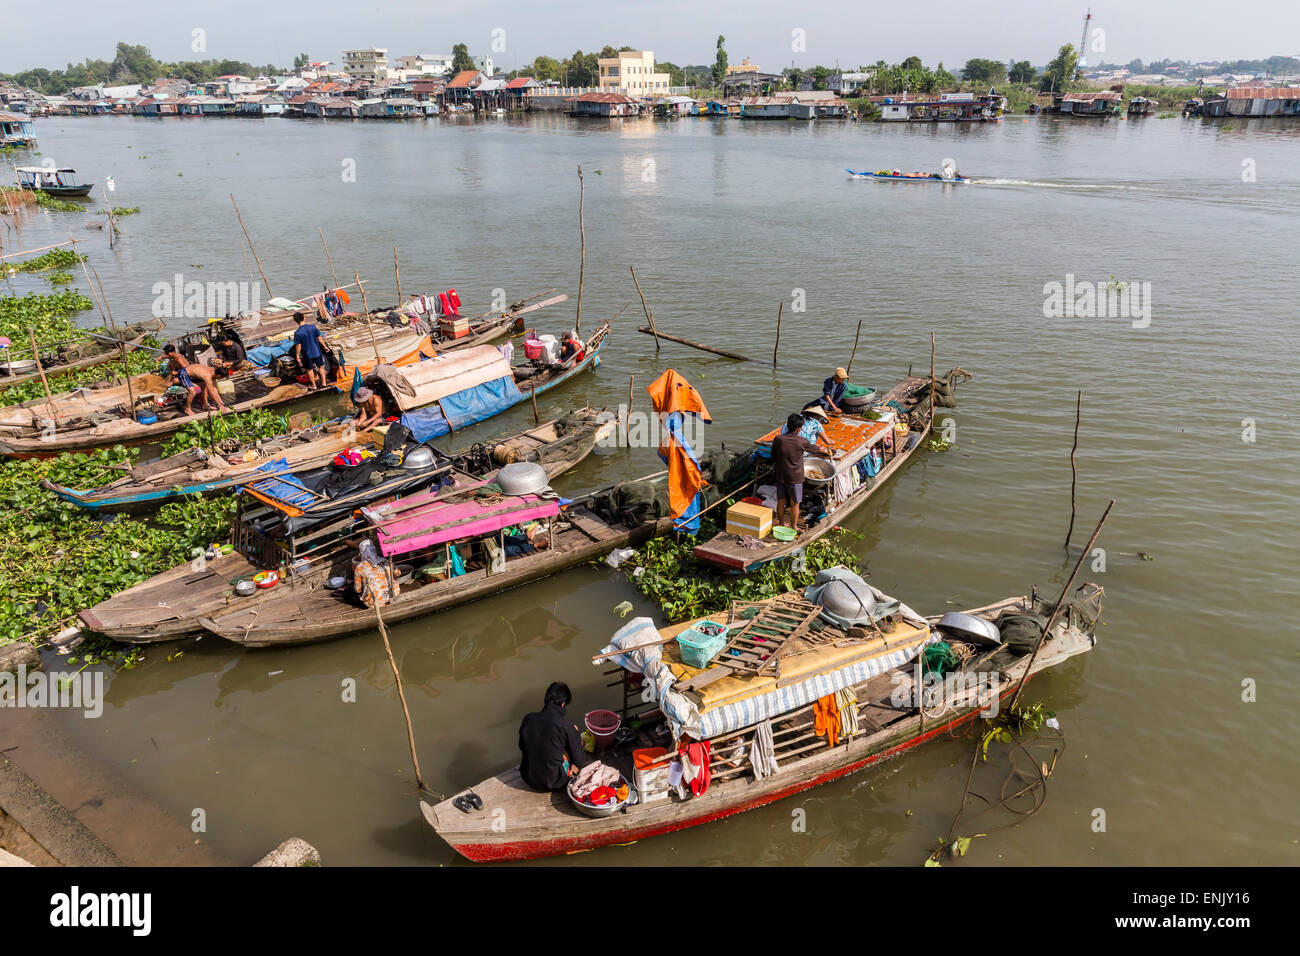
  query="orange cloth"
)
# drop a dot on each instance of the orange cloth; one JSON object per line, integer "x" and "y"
{"x": 826, "y": 719}
{"x": 343, "y": 296}
{"x": 672, "y": 393}
{"x": 684, "y": 478}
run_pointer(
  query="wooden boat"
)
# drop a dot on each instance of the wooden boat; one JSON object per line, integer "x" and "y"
{"x": 274, "y": 533}
{"x": 577, "y": 535}
{"x": 896, "y": 435}
{"x": 878, "y": 663}
{"x": 51, "y": 181}
{"x": 86, "y": 419}
{"x": 909, "y": 177}
{"x": 104, "y": 350}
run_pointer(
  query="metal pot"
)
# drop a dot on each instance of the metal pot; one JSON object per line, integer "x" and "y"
{"x": 819, "y": 471}
{"x": 967, "y": 627}
{"x": 522, "y": 478}
{"x": 245, "y": 588}
{"x": 417, "y": 458}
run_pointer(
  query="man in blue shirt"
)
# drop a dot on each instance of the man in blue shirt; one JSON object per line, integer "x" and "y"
{"x": 813, "y": 427}
{"x": 833, "y": 391}
{"x": 310, "y": 351}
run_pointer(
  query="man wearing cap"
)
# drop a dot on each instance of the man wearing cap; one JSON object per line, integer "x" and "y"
{"x": 833, "y": 391}
{"x": 371, "y": 411}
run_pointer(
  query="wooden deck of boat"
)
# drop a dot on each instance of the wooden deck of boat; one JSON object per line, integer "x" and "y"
{"x": 302, "y": 615}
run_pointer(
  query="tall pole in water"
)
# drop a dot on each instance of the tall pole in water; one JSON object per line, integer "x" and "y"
{"x": 1082, "y": 59}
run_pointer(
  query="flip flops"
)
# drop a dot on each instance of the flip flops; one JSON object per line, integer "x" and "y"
{"x": 468, "y": 802}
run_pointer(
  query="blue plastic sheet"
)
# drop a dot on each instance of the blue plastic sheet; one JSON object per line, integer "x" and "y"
{"x": 287, "y": 488}
{"x": 261, "y": 355}
{"x": 426, "y": 423}
{"x": 482, "y": 401}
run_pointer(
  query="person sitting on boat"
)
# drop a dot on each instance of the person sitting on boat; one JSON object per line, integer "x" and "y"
{"x": 309, "y": 351}
{"x": 371, "y": 408}
{"x": 549, "y": 746}
{"x": 788, "y": 450}
{"x": 196, "y": 379}
{"x": 570, "y": 347}
{"x": 833, "y": 391}
{"x": 231, "y": 356}
{"x": 814, "y": 425}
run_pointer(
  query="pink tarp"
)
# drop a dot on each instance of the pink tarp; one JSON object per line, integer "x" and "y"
{"x": 442, "y": 522}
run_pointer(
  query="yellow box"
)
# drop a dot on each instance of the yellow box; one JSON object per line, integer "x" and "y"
{"x": 750, "y": 519}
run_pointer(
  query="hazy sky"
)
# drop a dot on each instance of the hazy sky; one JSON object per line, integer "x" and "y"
{"x": 847, "y": 31}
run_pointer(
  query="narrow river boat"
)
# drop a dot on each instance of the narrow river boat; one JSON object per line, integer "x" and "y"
{"x": 793, "y": 698}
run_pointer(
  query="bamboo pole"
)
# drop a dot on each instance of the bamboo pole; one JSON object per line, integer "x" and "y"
{"x": 89, "y": 284}
{"x": 849, "y": 367}
{"x": 582, "y": 262}
{"x": 328, "y": 257}
{"x": 269, "y": 293}
{"x": 41, "y": 368}
{"x": 649, "y": 316}
{"x": 536, "y": 418}
{"x": 27, "y": 252}
{"x": 398, "y": 276}
{"x": 627, "y": 416}
{"x": 401, "y": 695}
{"x": 369, "y": 325}
{"x": 126, "y": 366}
{"x": 694, "y": 345}
{"x": 779, "y": 309}
{"x": 1074, "y": 472}
{"x": 932, "y": 376}
{"x": 1056, "y": 611}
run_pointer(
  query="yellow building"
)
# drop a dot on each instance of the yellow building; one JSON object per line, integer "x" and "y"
{"x": 632, "y": 73}
{"x": 744, "y": 67}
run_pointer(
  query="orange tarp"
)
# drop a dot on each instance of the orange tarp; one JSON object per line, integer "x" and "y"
{"x": 846, "y": 434}
{"x": 672, "y": 393}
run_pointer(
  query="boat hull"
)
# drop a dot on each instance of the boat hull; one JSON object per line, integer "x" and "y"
{"x": 909, "y": 179}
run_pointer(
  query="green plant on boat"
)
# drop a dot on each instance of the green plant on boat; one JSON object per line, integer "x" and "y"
{"x": 685, "y": 588}
{"x": 57, "y": 559}
{"x": 54, "y": 259}
{"x": 227, "y": 430}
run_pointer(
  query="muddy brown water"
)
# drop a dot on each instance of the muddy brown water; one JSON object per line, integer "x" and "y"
{"x": 724, "y": 220}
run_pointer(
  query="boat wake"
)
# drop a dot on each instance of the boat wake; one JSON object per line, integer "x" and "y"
{"x": 1049, "y": 185}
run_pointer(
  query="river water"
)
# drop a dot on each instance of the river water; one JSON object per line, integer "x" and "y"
{"x": 724, "y": 220}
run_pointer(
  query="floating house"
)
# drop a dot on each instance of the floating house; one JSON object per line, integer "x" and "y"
{"x": 1261, "y": 101}
{"x": 1098, "y": 104}
{"x": 16, "y": 130}
{"x": 674, "y": 106}
{"x": 612, "y": 105}
{"x": 770, "y": 107}
{"x": 945, "y": 108}
{"x": 394, "y": 107}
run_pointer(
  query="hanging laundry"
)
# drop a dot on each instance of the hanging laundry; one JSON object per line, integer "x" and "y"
{"x": 847, "y": 703}
{"x": 332, "y": 305}
{"x": 695, "y": 766}
{"x": 343, "y": 296}
{"x": 456, "y": 561}
{"x": 762, "y": 751}
{"x": 826, "y": 719}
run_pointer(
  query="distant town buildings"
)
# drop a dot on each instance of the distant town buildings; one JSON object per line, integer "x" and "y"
{"x": 368, "y": 64}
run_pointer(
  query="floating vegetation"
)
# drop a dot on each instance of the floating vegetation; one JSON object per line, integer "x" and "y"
{"x": 666, "y": 571}
{"x": 59, "y": 278}
{"x": 46, "y": 201}
{"x": 227, "y": 431}
{"x": 57, "y": 559}
{"x": 54, "y": 259}
{"x": 47, "y": 315}
{"x": 125, "y": 210}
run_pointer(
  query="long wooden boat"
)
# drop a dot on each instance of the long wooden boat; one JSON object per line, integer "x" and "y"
{"x": 273, "y": 534}
{"x": 879, "y": 664}
{"x": 897, "y": 434}
{"x": 910, "y": 177}
{"x": 49, "y": 180}
{"x": 106, "y": 351}
{"x": 87, "y": 419}
{"x": 302, "y": 617}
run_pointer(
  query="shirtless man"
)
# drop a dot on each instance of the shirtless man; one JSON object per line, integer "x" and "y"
{"x": 196, "y": 379}
{"x": 371, "y": 412}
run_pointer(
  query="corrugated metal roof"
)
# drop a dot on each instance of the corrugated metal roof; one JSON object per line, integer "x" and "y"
{"x": 520, "y": 82}
{"x": 1106, "y": 96}
{"x": 462, "y": 79}
{"x": 604, "y": 98}
{"x": 1264, "y": 93}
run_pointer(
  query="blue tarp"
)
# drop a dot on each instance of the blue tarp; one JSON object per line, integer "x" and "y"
{"x": 426, "y": 423}
{"x": 482, "y": 401}
{"x": 287, "y": 488}
{"x": 261, "y": 355}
